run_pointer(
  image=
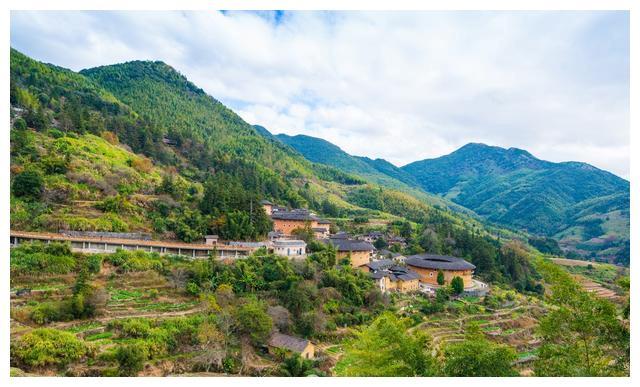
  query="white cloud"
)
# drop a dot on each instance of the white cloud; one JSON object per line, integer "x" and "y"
{"x": 398, "y": 85}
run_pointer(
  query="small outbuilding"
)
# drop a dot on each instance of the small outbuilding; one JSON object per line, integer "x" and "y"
{"x": 290, "y": 247}
{"x": 305, "y": 348}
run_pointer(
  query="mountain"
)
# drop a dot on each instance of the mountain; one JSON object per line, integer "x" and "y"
{"x": 377, "y": 171}
{"x": 586, "y": 208}
{"x": 323, "y": 152}
{"x": 170, "y": 159}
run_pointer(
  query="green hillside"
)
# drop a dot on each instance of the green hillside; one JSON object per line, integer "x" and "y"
{"x": 323, "y": 152}
{"x": 572, "y": 201}
{"x": 184, "y": 164}
{"x": 377, "y": 171}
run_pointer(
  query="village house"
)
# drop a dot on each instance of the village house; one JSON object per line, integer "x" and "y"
{"x": 379, "y": 264}
{"x": 396, "y": 279}
{"x": 320, "y": 232}
{"x": 397, "y": 240}
{"x": 273, "y": 235}
{"x": 270, "y": 208}
{"x": 107, "y": 243}
{"x": 292, "y": 248}
{"x": 372, "y": 236}
{"x": 267, "y": 205}
{"x": 388, "y": 254}
{"x": 360, "y": 253}
{"x": 285, "y": 221}
{"x": 428, "y": 266}
{"x": 278, "y": 341}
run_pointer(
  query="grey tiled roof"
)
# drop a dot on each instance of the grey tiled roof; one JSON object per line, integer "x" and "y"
{"x": 293, "y": 215}
{"x": 295, "y": 344}
{"x": 351, "y": 245}
{"x": 396, "y": 273}
{"x": 444, "y": 262}
{"x": 380, "y": 264}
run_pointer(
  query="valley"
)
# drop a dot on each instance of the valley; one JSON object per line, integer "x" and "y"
{"x": 154, "y": 233}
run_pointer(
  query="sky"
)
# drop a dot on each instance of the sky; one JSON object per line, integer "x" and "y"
{"x": 403, "y": 86}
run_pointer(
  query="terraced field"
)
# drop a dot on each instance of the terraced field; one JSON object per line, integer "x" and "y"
{"x": 598, "y": 278}
{"x": 513, "y": 326}
{"x": 140, "y": 294}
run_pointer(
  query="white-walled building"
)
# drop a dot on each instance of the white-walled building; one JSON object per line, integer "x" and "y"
{"x": 290, "y": 248}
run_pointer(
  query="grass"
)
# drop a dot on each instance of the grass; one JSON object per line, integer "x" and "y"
{"x": 125, "y": 295}
{"x": 84, "y": 327}
{"x": 168, "y": 306}
{"x": 334, "y": 350}
{"x": 526, "y": 354}
{"x": 99, "y": 336}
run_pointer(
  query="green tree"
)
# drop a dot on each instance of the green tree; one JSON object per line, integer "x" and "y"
{"x": 582, "y": 336}
{"x": 380, "y": 243}
{"x": 28, "y": 184}
{"x": 457, "y": 284}
{"x": 254, "y": 321}
{"x": 440, "y": 277}
{"x": 296, "y": 366}
{"x": 477, "y": 356}
{"x": 386, "y": 348}
{"x": 304, "y": 233}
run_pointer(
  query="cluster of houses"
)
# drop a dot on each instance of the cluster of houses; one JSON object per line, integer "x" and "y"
{"x": 391, "y": 271}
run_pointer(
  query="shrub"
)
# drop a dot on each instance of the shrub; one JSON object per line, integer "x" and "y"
{"x": 134, "y": 328}
{"x": 48, "y": 347}
{"x": 153, "y": 294}
{"x": 192, "y": 288}
{"x": 55, "y": 133}
{"x": 20, "y": 124}
{"x": 28, "y": 184}
{"x": 110, "y": 137}
{"x": 47, "y": 312}
{"x": 457, "y": 284}
{"x": 37, "y": 259}
{"x": 131, "y": 358}
{"x": 142, "y": 164}
{"x": 128, "y": 261}
{"x": 94, "y": 263}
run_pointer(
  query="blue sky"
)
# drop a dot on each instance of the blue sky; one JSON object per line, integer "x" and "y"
{"x": 402, "y": 86}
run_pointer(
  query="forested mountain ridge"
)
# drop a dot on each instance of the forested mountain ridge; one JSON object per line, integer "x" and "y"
{"x": 324, "y": 152}
{"x": 376, "y": 171}
{"x": 214, "y": 167}
{"x": 584, "y": 207}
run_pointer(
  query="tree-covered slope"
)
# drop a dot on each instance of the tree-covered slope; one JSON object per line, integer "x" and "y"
{"x": 211, "y": 168}
{"x": 512, "y": 187}
{"x": 376, "y": 171}
{"x": 323, "y": 152}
